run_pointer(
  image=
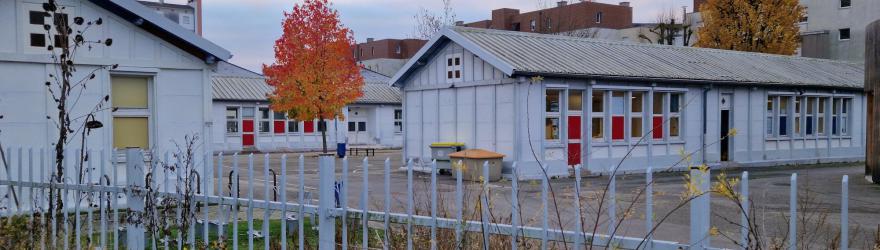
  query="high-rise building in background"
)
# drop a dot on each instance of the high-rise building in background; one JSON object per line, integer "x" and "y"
{"x": 386, "y": 56}
{"x": 835, "y": 29}
{"x": 830, "y": 29}
{"x": 188, "y": 15}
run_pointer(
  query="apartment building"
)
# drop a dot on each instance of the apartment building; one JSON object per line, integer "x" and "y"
{"x": 565, "y": 17}
{"x": 835, "y": 29}
{"x": 386, "y": 56}
{"x": 187, "y": 16}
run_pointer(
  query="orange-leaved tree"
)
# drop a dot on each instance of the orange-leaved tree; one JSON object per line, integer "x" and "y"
{"x": 314, "y": 75}
{"x": 766, "y": 26}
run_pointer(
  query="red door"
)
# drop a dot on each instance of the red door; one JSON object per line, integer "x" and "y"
{"x": 574, "y": 140}
{"x": 247, "y": 133}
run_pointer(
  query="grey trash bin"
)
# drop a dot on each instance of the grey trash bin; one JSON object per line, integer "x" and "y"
{"x": 440, "y": 152}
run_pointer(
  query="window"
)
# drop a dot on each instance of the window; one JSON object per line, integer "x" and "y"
{"x": 810, "y": 116}
{"x": 657, "y": 116}
{"x": 453, "y": 68}
{"x": 38, "y": 39}
{"x": 835, "y": 116}
{"x": 398, "y": 50}
{"x": 845, "y": 3}
{"x": 185, "y": 19}
{"x": 821, "y": 116}
{"x": 292, "y": 126}
{"x": 843, "y": 34}
{"x": 322, "y": 126}
{"x": 770, "y": 112}
{"x": 618, "y": 109}
{"x": 130, "y": 94}
{"x": 598, "y": 116}
{"x": 637, "y": 107}
{"x": 805, "y": 18}
{"x": 549, "y": 24}
{"x": 231, "y": 120}
{"x": 352, "y": 126}
{"x": 599, "y": 17}
{"x": 278, "y": 121}
{"x": 532, "y": 25}
{"x": 247, "y": 112}
{"x": 398, "y": 120}
{"x": 264, "y": 120}
{"x": 309, "y": 126}
{"x": 797, "y": 116}
{"x": 551, "y": 123}
{"x": 362, "y": 126}
{"x": 844, "y": 116}
{"x": 783, "y": 115}
{"x": 674, "y": 114}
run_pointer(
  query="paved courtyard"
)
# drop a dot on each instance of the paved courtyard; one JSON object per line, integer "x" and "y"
{"x": 819, "y": 196}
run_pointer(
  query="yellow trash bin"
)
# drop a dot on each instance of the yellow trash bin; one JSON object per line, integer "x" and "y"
{"x": 472, "y": 164}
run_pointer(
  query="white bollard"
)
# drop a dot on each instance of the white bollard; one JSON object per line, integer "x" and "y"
{"x": 700, "y": 214}
{"x": 327, "y": 221}
{"x": 844, "y": 213}
{"x": 792, "y": 211}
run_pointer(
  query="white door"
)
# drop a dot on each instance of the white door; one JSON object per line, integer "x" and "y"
{"x": 357, "y": 132}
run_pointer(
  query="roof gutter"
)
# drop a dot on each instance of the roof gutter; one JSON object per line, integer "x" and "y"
{"x": 673, "y": 80}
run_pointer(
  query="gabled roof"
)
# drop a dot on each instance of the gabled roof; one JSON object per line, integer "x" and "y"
{"x": 529, "y": 54}
{"x": 377, "y": 90}
{"x": 247, "y": 88}
{"x": 152, "y": 22}
{"x": 239, "y": 88}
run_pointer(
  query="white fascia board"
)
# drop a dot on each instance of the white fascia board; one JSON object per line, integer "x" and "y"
{"x": 450, "y": 34}
{"x": 173, "y": 28}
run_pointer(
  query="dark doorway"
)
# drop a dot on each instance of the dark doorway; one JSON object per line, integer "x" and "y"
{"x": 726, "y": 100}
{"x": 725, "y": 139}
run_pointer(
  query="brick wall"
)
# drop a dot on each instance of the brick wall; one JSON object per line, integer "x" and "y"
{"x": 562, "y": 18}
{"x": 388, "y": 48}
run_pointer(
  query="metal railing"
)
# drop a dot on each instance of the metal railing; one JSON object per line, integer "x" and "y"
{"x": 217, "y": 205}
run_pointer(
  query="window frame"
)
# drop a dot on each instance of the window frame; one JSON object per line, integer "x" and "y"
{"x": 33, "y": 29}
{"x": 135, "y": 112}
{"x": 635, "y": 115}
{"x": 549, "y": 115}
{"x": 599, "y": 115}
{"x": 840, "y": 4}
{"x": 454, "y": 67}
{"x": 236, "y": 120}
{"x": 267, "y": 120}
{"x": 840, "y": 34}
{"x": 398, "y": 121}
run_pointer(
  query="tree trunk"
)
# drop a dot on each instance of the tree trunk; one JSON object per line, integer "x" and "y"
{"x": 323, "y": 133}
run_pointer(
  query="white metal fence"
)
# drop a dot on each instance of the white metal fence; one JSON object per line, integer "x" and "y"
{"x": 110, "y": 212}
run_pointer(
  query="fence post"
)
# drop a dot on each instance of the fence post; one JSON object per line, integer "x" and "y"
{"x": 744, "y": 200}
{"x": 699, "y": 236}
{"x": 649, "y": 207}
{"x": 134, "y": 169}
{"x": 326, "y": 221}
{"x": 844, "y": 213}
{"x": 792, "y": 211}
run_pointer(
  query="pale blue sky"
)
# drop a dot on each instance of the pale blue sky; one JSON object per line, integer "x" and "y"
{"x": 249, "y": 28}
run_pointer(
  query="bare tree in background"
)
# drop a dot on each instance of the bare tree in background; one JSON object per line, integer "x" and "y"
{"x": 667, "y": 29}
{"x": 429, "y": 23}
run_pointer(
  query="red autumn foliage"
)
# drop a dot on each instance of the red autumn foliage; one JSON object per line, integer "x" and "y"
{"x": 314, "y": 75}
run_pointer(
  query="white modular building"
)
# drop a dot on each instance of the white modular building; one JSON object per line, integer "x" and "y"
{"x": 247, "y": 123}
{"x": 161, "y": 87}
{"x": 555, "y": 102}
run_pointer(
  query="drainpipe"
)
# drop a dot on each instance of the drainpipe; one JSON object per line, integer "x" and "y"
{"x": 705, "y": 125}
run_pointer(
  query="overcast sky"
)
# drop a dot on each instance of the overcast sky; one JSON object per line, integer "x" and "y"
{"x": 248, "y": 28}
